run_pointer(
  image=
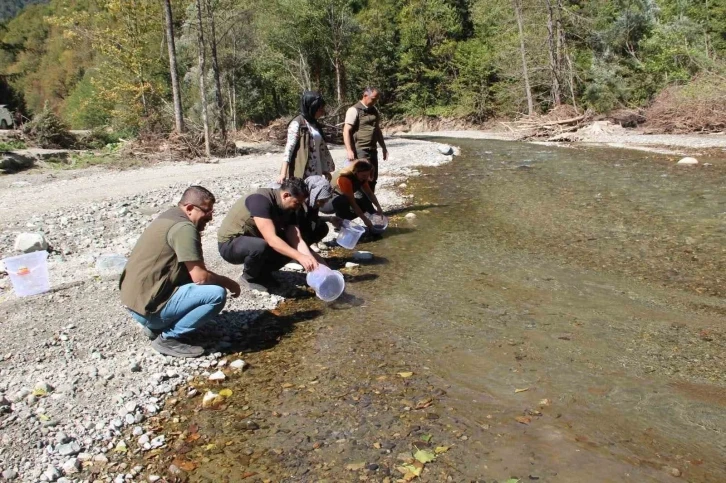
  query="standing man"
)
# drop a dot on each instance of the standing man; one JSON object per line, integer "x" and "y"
{"x": 261, "y": 231}
{"x": 362, "y": 132}
{"x": 166, "y": 286}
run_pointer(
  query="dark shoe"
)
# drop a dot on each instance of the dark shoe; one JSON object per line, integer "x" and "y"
{"x": 152, "y": 335}
{"x": 175, "y": 348}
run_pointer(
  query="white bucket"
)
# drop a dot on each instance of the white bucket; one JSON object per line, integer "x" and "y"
{"x": 379, "y": 222}
{"x": 328, "y": 284}
{"x": 349, "y": 234}
{"x": 28, "y": 273}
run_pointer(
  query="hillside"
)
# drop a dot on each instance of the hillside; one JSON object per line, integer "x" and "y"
{"x": 10, "y": 8}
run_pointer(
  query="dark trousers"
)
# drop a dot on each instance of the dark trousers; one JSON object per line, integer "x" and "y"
{"x": 340, "y": 205}
{"x": 257, "y": 256}
{"x": 314, "y": 232}
{"x": 370, "y": 155}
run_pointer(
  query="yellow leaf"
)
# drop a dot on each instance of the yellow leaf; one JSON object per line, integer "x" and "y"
{"x": 43, "y": 417}
{"x": 424, "y": 456}
{"x": 414, "y": 470}
{"x": 523, "y": 419}
{"x": 225, "y": 392}
{"x": 210, "y": 446}
{"x": 405, "y": 374}
{"x": 441, "y": 449}
{"x": 521, "y": 390}
{"x": 39, "y": 392}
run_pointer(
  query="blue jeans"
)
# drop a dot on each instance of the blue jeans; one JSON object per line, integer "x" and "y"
{"x": 186, "y": 310}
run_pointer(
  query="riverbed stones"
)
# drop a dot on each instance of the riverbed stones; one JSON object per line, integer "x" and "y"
{"x": 9, "y": 474}
{"x": 69, "y": 449}
{"x": 217, "y": 376}
{"x": 687, "y": 161}
{"x": 362, "y": 255}
{"x": 30, "y": 242}
{"x": 238, "y": 365}
{"x": 71, "y": 466}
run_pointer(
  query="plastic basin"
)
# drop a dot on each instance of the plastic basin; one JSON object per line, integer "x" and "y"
{"x": 28, "y": 273}
{"x": 349, "y": 234}
{"x": 328, "y": 284}
{"x": 379, "y": 222}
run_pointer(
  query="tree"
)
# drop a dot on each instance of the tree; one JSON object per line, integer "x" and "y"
{"x": 176, "y": 90}
{"x": 525, "y": 73}
{"x": 215, "y": 70}
{"x": 202, "y": 72}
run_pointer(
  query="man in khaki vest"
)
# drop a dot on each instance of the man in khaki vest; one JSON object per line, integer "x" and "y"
{"x": 362, "y": 132}
{"x": 261, "y": 231}
{"x": 166, "y": 286}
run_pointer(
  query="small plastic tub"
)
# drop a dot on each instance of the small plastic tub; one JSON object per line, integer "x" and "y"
{"x": 328, "y": 284}
{"x": 28, "y": 273}
{"x": 349, "y": 234}
{"x": 379, "y": 222}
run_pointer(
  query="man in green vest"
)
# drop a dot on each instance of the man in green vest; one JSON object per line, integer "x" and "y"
{"x": 362, "y": 132}
{"x": 261, "y": 231}
{"x": 166, "y": 285}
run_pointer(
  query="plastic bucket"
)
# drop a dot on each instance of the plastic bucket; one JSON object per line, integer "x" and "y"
{"x": 379, "y": 222}
{"x": 349, "y": 234}
{"x": 28, "y": 273}
{"x": 328, "y": 284}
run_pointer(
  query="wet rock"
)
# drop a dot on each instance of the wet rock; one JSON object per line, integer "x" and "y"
{"x": 217, "y": 376}
{"x": 362, "y": 255}
{"x": 295, "y": 267}
{"x": 250, "y": 425}
{"x": 410, "y": 216}
{"x": 688, "y": 161}
{"x": 372, "y": 467}
{"x": 239, "y": 364}
{"x": 351, "y": 265}
{"x": 445, "y": 149}
{"x": 672, "y": 471}
{"x": 10, "y": 161}
{"x": 30, "y": 242}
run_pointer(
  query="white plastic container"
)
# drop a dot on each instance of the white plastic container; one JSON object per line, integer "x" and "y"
{"x": 328, "y": 284}
{"x": 379, "y": 222}
{"x": 349, "y": 234}
{"x": 29, "y": 273}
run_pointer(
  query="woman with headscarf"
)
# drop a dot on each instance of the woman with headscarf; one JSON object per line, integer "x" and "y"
{"x": 353, "y": 196}
{"x": 313, "y": 226}
{"x": 306, "y": 153}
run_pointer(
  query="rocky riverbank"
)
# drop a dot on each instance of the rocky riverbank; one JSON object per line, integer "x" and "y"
{"x": 79, "y": 384}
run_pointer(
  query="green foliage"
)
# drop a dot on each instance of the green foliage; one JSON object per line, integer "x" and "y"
{"x": 10, "y": 8}
{"x": 11, "y": 145}
{"x": 47, "y": 130}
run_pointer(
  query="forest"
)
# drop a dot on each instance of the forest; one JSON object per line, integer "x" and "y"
{"x": 165, "y": 65}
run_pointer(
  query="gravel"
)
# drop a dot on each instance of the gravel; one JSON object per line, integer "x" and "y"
{"x": 76, "y": 373}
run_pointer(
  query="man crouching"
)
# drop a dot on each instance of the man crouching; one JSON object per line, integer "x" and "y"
{"x": 166, "y": 286}
{"x": 261, "y": 231}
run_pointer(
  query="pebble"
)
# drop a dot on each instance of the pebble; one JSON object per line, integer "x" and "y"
{"x": 143, "y": 439}
{"x": 217, "y": 376}
{"x": 51, "y": 473}
{"x": 154, "y": 478}
{"x": 239, "y": 364}
{"x": 351, "y": 265}
{"x": 688, "y": 161}
{"x": 410, "y": 216}
{"x": 10, "y": 474}
{"x": 135, "y": 367}
{"x": 362, "y": 255}
{"x": 71, "y": 466}
{"x": 69, "y": 449}
{"x": 137, "y": 431}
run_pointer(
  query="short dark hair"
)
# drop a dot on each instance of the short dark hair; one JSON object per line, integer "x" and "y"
{"x": 295, "y": 186}
{"x": 197, "y": 195}
{"x": 368, "y": 91}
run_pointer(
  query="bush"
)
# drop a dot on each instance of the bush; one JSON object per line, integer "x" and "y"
{"x": 47, "y": 130}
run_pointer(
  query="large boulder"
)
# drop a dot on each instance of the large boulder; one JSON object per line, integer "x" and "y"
{"x": 30, "y": 242}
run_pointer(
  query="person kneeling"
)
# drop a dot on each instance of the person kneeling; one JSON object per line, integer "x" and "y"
{"x": 353, "y": 196}
{"x": 166, "y": 286}
{"x": 261, "y": 232}
{"x": 313, "y": 225}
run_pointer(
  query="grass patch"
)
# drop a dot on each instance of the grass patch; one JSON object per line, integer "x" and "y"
{"x": 91, "y": 159}
{"x": 12, "y": 145}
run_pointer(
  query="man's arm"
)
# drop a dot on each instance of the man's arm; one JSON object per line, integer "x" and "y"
{"x": 379, "y": 137}
{"x": 201, "y": 276}
{"x": 348, "y": 140}
{"x": 372, "y": 196}
{"x": 294, "y": 238}
{"x": 267, "y": 229}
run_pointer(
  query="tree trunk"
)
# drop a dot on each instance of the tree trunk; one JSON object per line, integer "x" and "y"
{"x": 554, "y": 55}
{"x": 176, "y": 92}
{"x": 338, "y": 80}
{"x": 525, "y": 74}
{"x": 215, "y": 70}
{"x": 202, "y": 83}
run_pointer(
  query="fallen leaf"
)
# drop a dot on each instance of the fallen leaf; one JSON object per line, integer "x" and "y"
{"x": 441, "y": 449}
{"x": 405, "y": 374}
{"x": 424, "y": 456}
{"x": 523, "y": 419}
{"x": 377, "y": 445}
{"x": 184, "y": 465}
{"x": 424, "y": 403}
{"x": 210, "y": 446}
{"x": 38, "y": 392}
{"x": 225, "y": 392}
{"x": 121, "y": 447}
{"x": 521, "y": 390}
{"x": 412, "y": 470}
{"x": 426, "y": 437}
{"x": 43, "y": 417}
{"x": 193, "y": 437}
{"x": 287, "y": 385}
{"x": 512, "y": 480}
{"x": 355, "y": 466}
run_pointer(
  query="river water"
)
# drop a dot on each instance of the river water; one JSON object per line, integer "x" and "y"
{"x": 591, "y": 278}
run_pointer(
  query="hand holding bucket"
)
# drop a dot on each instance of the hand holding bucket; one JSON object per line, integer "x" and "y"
{"x": 328, "y": 284}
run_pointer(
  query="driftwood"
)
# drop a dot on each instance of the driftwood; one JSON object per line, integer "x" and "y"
{"x": 550, "y": 126}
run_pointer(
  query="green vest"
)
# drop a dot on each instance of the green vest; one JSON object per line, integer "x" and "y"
{"x": 364, "y": 133}
{"x": 299, "y": 155}
{"x": 153, "y": 273}
{"x": 239, "y": 221}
